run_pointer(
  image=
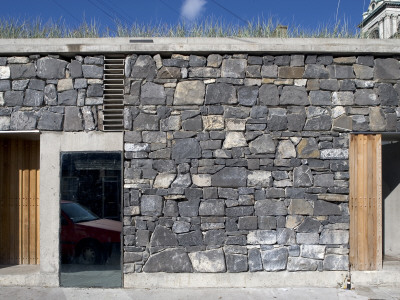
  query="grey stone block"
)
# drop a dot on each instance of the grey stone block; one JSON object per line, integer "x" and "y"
{"x": 233, "y": 68}
{"x": 387, "y": 95}
{"x": 151, "y": 205}
{"x": 197, "y": 61}
{"x": 13, "y": 98}
{"x": 211, "y": 261}
{"x": 144, "y": 68}
{"x": 269, "y": 71}
{"x": 302, "y": 177}
{"x": 193, "y": 238}
{"x": 23, "y": 120}
{"x": 334, "y": 237}
{"x": 309, "y": 225}
{"x": 248, "y": 223}
{"x": 296, "y": 118}
{"x": 212, "y": 208}
{"x": 269, "y": 94}
{"x": 17, "y": 85}
{"x": 270, "y": 208}
{"x": 186, "y": 148}
{"x": 294, "y": 95}
{"x": 19, "y": 71}
{"x": 95, "y": 90}
{"x": 50, "y": 121}
{"x": 236, "y": 263}
{"x": 229, "y": 177}
{"x": 169, "y": 261}
{"x": 336, "y": 262}
{"x": 320, "y": 98}
{"x": 189, "y": 208}
{"x": 73, "y": 119}
{"x": 146, "y": 122}
{"x": 163, "y": 237}
{"x": 296, "y": 264}
{"x": 285, "y": 236}
{"x": 366, "y": 97}
{"x": 261, "y": 237}
{"x": 254, "y": 260}
{"x": 307, "y": 238}
{"x": 300, "y": 207}
{"x": 316, "y": 71}
{"x": 387, "y": 69}
{"x": 247, "y": 95}
{"x": 152, "y": 94}
{"x": 341, "y": 72}
{"x": 221, "y": 93}
{"x": 189, "y": 93}
{"x": 68, "y": 98}
{"x": 94, "y": 60}
{"x": 313, "y": 251}
{"x": 75, "y": 69}
{"x": 92, "y": 71}
{"x": 215, "y": 237}
{"x": 266, "y": 222}
{"x": 277, "y": 119}
{"x": 275, "y": 260}
{"x": 239, "y": 211}
{"x": 33, "y": 98}
{"x": 262, "y": 144}
{"x": 51, "y": 68}
{"x": 170, "y": 209}
{"x": 36, "y": 84}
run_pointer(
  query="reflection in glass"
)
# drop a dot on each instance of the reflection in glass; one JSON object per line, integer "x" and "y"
{"x": 90, "y": 219}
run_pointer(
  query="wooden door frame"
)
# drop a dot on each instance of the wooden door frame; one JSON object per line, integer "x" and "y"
{"x": 365, "y": 206}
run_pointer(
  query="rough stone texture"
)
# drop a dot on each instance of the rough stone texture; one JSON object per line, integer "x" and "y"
{"x": 51, "y": 68}
{"x": 336, "y": 263}
{"x": 296, "y": 264}
{"x": 230, "y": 177}
{"x": 233, "y": 68}
{"x": 262, "y": 144}
{"x": 169, "y": 261}
{"x": 261, "y": 237}
{"x": 221, "y": 93}
{"x": 189, "y": 92}
{"x": 151, "y": 205}
{"x": 294, "y": 95}
{"x": 211, "y": 261}
{"x": 186, "y": 148}
{"x": 275, "y": 260}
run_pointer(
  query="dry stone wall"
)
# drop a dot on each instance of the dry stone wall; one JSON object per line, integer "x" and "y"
{"x": 51, "y": 93}
{"x": 232, "y": 163}
{"x": 239, "y": 163}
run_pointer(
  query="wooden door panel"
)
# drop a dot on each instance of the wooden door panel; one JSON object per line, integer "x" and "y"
{"x": 19, "y": 202}
{"x": 365, "y": 202}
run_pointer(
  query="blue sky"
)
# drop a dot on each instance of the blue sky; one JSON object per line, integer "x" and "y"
{"x": 309, "y": 14}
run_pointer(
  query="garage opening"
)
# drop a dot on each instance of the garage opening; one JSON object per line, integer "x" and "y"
{"x": 19, "y": 200}
{"x": 374, "y": 161}
{"x": 90, "y": 238}
{"x": 391, "y": 197}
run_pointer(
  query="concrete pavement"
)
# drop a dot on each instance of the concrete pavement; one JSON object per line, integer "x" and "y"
{"x": 31, "y": 293}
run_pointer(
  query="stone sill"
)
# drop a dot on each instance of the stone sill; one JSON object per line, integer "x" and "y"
{"x": 254, "y": 46}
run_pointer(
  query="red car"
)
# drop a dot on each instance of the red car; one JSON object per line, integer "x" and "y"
{"x": 85, "y": 238}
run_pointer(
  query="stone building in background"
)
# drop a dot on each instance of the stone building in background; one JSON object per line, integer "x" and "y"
{"x": 381, "y": 20}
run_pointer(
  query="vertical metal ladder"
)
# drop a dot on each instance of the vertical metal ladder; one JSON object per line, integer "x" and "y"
{"x": 113, "y": 98}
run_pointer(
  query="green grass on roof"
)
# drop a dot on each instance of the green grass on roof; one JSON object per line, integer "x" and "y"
{"x": 15, "y": 28}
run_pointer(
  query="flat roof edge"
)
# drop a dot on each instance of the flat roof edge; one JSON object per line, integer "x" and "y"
{"x": 199, "y": 45}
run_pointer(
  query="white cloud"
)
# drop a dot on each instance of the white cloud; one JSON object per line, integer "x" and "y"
{"x": 192, "y": 8}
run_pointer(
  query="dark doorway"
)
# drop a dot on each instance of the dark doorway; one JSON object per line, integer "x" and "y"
{"x": 90, "y": 239}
